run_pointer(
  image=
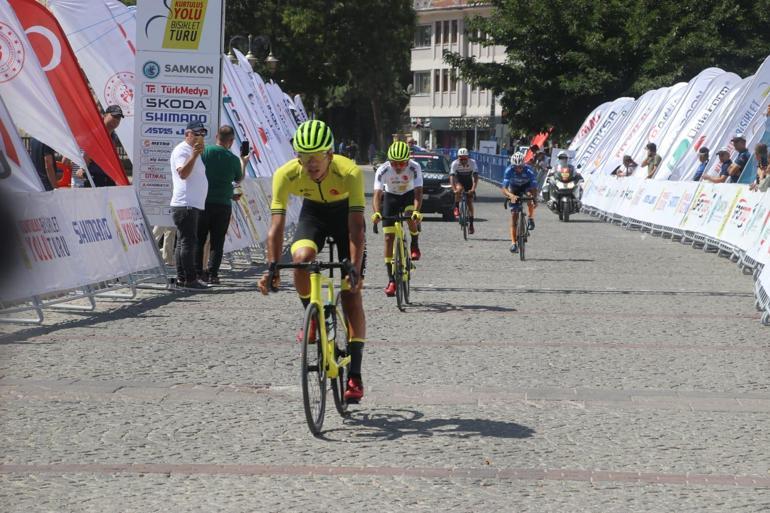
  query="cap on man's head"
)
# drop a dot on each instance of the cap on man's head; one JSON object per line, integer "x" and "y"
{"x": 195, "y": 126}
{"x": 723, "y": 151}
{"x": 114, "y": 110}
{"x": 651, "y": 146}
{"x": 738, "y": 137}
{"x": 703, "y": 150}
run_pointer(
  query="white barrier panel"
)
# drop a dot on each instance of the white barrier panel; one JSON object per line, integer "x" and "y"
{"x": 71, "y": 238}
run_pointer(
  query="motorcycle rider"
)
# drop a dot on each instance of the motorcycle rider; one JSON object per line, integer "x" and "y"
{"x": 562, "y": 167}
{"x": 519, "y": 179}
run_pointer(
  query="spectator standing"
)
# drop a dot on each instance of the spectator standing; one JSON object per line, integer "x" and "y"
{"x": 724, "y": 169}
{"x": 188, "y": 200}
{"x": 113, "y": 114}
{"x": 703, "y": 158}
{"x": 222, "y": 169}
{"x": 343, "y": 148}
{"x": 43, "y": 159}
{"x": 762, "y": 181}
{"x": 653, "y": 160}
{"x": 352, "y": 150}
{"x": 627, "y": 168}
{"x": 741, "y": 159}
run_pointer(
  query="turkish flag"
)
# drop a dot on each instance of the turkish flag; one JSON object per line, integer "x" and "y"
{"x": 68, "y": 83}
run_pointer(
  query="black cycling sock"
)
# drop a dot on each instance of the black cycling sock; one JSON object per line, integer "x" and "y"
{"x": 389, "y": 267}
{"x": 470, "y": 219}
{"x": 415, "y": 242}
{"x": 356, "y": 352}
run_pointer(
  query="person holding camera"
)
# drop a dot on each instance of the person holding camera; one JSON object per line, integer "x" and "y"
{"x": 223, "y": 169}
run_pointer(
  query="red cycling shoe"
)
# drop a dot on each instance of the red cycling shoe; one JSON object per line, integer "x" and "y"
{"x": 355, "y": 390}
{"x": 301, "y": 332}
{"x": 416, "y": 254}
{"x": 390, "y": 289}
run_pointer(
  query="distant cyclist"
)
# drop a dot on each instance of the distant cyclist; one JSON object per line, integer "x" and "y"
{"x": 464, "y": 176}
{"x": 397, "y": 189}
{"x": 519, "y": 180}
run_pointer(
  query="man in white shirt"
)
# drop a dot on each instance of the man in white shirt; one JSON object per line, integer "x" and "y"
{"x": 188, "y": 200}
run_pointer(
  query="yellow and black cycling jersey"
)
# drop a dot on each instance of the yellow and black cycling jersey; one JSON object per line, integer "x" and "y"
{"x": 344, "y": 181}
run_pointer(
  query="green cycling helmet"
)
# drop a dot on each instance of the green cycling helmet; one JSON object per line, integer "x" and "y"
{"x": 313, "y": 136}
{"x": 398, "y": 151}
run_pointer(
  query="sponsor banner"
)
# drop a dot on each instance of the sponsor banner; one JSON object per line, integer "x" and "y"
{"x": 17, "y": 173}
{"x": 675, "y": 145}
{"x": 746, "y": 212}
{"x": 103, "y": 37}
{"x": 588, "y": 125}
{"x": 616, "y": 114}
{"x": 178, "y": 80}
{"x": 710, "y": 208}
{"x": 73, "y": 237}
{"x": 239, "y": 234}
{"x": 63, "y": 73}
{"x": 25, "y": 89}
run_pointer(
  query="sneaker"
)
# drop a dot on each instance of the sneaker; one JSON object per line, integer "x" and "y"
{"x": 203, "y": 277}
{"x": 390, "y": 289}
{"x": 194, "y": 285}
{"x": 531, "y": 224}
{"x": 514, "y": 248}
{"x": 213, "y": 279}
{"x": 456, "y": 212}
{"x": 471, "y": 229}
{"x": 301, "y": 333}
{"x": 415, "y": 253}
{"x": 355, "y": 391}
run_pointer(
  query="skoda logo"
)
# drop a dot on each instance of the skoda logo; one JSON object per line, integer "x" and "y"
{"x": 151, "y": 69}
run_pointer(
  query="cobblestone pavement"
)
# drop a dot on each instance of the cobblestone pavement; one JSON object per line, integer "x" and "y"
{"x": 611, "y": 371}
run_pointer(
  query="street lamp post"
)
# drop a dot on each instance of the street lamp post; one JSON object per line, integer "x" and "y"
{"x": 261, "y": 42}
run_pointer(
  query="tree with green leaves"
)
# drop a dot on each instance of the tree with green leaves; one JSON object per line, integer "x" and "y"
{"x": 348, "y": 59}
{"x": 564, "y": 57}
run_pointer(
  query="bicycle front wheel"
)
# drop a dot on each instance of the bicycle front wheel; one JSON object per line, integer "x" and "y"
{"x": 521, "y": 235}
{"x": 313, "y": 371}
{"x": 341, "y": 338}
{"x": 464, "y": 219}
{"x": 407, "y": 279}
{"x": 398, "y": 273}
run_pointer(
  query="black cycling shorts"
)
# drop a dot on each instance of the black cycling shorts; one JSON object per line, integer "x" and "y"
{"x": 465, "y": 180}
{"x": 394, "y": 204}
{"x": 318, "y": 221}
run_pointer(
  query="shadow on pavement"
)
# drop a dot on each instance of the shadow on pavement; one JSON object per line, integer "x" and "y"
{"x": 393, "y": 424}
{"x": 561, "y": 260}
{"x": 448, "y": 307}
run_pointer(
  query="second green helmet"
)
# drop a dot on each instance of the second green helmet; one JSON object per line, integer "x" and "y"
{"x": 398, "y": 151}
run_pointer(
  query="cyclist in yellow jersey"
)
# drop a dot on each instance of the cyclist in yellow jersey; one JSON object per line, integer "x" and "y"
{"x": 332, "y": 188}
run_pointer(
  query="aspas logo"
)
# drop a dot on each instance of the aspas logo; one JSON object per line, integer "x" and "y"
{"x": 119, "y": 90}
{"x": 702, "y": 205}
{"x": 184, "y": 23}
{"x": 741, "y": 213}
{"x": 151, "y": 69}
{"x": 11, "y": 53}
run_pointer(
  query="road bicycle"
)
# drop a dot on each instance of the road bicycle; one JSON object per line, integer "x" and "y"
{"x": 402, "y": 262}
{"x": 324, "y": 342}
{"x": 522, "y": 226}
{"x": 464, "y": 217}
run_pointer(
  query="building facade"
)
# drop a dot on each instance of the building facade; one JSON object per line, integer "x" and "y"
{"x": 444, "y": 110}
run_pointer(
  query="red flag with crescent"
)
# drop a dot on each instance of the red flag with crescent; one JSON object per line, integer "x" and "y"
{"x": 68, "y": 83}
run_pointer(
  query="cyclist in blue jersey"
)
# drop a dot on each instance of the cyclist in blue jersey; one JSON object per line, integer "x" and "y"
{"x": 518, "y": 180}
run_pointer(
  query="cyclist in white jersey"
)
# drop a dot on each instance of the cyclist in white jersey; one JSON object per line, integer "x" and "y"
{"x": 464, "y": 176}
{"x": 397, "y": 189}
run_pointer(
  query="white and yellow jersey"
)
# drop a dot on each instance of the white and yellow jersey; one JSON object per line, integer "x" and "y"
{"x": 398, "y": 181}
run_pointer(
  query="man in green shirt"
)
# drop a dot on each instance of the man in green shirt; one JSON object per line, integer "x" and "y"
{"x": 222, "y": 169}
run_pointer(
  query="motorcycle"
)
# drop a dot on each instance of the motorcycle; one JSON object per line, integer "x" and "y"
{"x": 562, "y": 192}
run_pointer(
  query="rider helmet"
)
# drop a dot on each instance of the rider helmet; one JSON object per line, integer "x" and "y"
{"x": 517, "y": 159}
{"x": 398, "y": 151}
{"x": 562, "y": 155}
{"x": 462, "y": 152}
{"x": 313, "y": 136}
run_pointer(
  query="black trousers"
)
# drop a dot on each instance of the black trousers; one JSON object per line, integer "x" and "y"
{"x": 186, "y": 221}
{"x": 213, "y": 223}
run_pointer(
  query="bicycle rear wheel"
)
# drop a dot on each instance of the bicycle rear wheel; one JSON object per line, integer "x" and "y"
{"x": 340, "y": 336}
{"x": 313, "y": 371}
{"x": 407, "y": 279}
{"x": 398, "y": 273}
{"x": 521, "y": 235}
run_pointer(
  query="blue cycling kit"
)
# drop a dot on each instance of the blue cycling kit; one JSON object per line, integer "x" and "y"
{"x": 519, "y": 182}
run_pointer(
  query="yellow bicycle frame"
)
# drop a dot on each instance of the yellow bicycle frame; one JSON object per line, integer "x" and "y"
{"x": 317, "y": 283}
{"x": 399, "y": 242}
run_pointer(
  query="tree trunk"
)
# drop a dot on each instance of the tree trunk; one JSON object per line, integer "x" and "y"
{"x": 377, "y": 120}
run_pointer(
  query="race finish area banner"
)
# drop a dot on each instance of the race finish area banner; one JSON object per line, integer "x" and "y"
{"x": 178, "y": 70}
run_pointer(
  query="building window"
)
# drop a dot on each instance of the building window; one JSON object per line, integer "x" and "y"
{"x": 445, "y": 38}
{"x": 421, "y": 82}
{"x": 453, "y": 80}
{"x": 444, "y": 80}
{"x": 436, "y": 80}
{"x": 454, "y": 31}
{"x": 422, "y": 36}
{"x": 438, "y": 33}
